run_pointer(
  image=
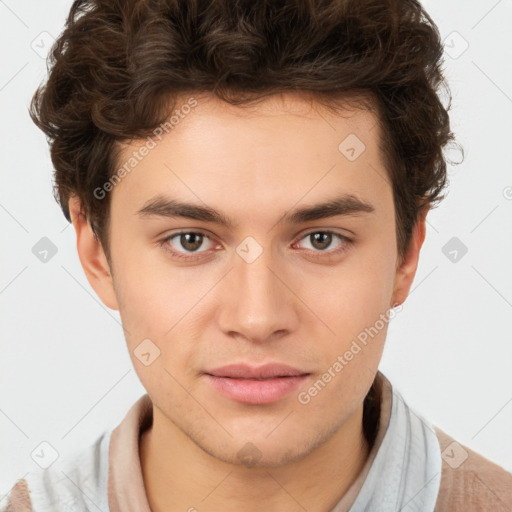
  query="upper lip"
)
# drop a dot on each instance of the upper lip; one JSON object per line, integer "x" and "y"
{"x": 245, "y": 371}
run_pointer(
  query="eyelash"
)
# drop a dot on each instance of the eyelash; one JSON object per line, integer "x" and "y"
{"x": 345, "y": 243}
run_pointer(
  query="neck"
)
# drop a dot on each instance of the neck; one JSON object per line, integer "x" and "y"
{"x": 180, "y": 476}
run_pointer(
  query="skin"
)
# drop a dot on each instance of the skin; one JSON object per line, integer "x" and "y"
{"x": 253, "y": 165}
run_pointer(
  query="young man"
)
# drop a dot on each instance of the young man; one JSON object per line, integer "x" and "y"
{"x": 249, "y": 183}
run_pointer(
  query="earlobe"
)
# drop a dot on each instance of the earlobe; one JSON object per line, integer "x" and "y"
{"x": 407, "y": 270}
{"x": 92, "y": 256}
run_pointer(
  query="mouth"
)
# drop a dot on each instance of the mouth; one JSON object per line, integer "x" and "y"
{"x": 266, "y": 371}
{"x": 256, "y": 385}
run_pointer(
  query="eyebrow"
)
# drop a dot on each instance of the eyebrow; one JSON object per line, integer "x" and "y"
{"x": 161, "y": 206}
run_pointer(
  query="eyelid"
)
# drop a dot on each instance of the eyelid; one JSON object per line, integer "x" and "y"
{"x": 333, "y": 231}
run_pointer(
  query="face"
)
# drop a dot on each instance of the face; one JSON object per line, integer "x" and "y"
{"x": 310, "y": 291}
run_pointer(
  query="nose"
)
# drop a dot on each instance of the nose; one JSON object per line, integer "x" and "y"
{"x": 258, "y": 302}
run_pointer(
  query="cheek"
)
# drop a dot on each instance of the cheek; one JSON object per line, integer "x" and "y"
{"x": 353, "y": 303}
{"x": 160, "y": 304}
{"x": 355, "y": 309}
{"x": 352, "y": 297}
{"x": 150, "y": 294}
{"x": 153, "y": 323}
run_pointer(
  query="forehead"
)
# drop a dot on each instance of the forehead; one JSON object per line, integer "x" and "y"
{"x": 297, "y": 112}
{"x": 283, "y": 149}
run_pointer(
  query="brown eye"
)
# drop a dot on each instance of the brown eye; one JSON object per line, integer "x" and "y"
{"x": 185, "y": 243}
{"x": 322, "y": 243}
{"x": 191, "y": 241}
{"x": 321, "y": 240}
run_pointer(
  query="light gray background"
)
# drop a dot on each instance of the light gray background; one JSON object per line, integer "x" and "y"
{"x": 65, "y": 373}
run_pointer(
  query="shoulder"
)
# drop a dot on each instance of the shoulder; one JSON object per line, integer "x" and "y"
{"x": 76, "y": 483}
{"x": 469, "y": 481}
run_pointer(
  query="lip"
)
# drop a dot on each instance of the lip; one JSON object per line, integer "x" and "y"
{"x": 256, "y": 385}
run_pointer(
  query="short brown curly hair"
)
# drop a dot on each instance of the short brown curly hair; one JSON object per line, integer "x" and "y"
{"x": 118, "y": 67}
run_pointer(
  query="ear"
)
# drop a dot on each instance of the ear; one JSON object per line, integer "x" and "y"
{"x": 407, "y": 270}
{"x": 92, "y": 256}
